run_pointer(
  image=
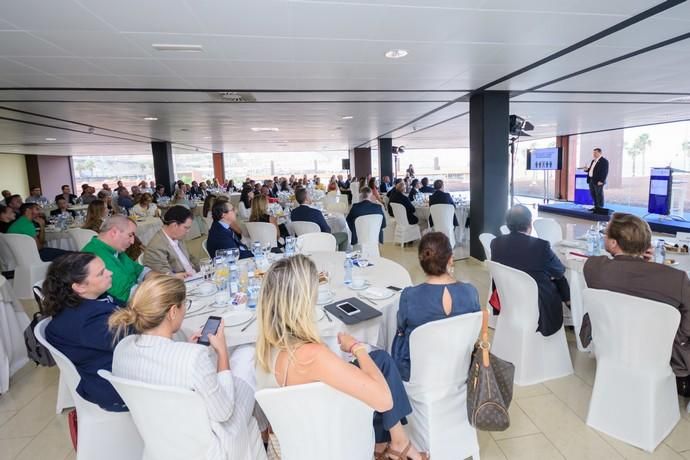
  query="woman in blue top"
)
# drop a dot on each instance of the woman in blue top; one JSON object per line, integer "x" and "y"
{"x": 73, "y": 295}
{"x": 441, "y": 296}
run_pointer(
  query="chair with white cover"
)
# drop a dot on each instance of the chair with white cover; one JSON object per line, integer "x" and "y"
{"x": 354, "y": 189}
{"x": 243, "y": 211}
{"x": 549, "y": 230}
{"x": 81, "y": 236}
{"x": 300, "y": 227}
{"x": 7, "y": 262}
{"x": 404, "y": 231}
{"x": 486, "y": 239}
{"x": 442, "y": 215}
{"x": 504, "y": 230}
{"x": 368, "y": 228}
{"x": 317, "y": 242}
{"x": 263, "y": 232}
{"x": 335, "y": 202}
{"x": 102, "y": 434}
{"x": 440, "y": 355}
{"x": 536, "y": 358}
{"x": 331, "y": 425}
{"x": 30, "y": 268}
{"x": 204, "y": 246}
{"x": 634, "y": 395}
{"x": 173, "y": 421}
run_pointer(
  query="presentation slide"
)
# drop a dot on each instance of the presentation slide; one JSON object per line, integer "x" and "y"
{"x": 544, "y": 159}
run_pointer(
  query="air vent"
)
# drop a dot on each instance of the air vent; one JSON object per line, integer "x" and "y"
{"x": 236, "y": 97}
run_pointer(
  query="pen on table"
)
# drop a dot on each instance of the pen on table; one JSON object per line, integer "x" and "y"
{"x": 248, "y": 324}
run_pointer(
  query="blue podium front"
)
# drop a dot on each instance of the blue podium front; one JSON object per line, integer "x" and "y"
{"x": 582, "y": 195}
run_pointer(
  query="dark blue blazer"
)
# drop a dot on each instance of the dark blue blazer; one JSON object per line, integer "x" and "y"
{"x": 304, "y": 213}
{"x": 534, "y": 257}
{"x": 221, "y": 238}
{"x": 400, "y": 198}
{"x": 439, "y": 197}
{"x": 427, "y": 189}
{"x": 82, "y": 335}
{"x": 364, "y": 208}
{"x": 601, "y": 171}
{"x": 385, "y": 188}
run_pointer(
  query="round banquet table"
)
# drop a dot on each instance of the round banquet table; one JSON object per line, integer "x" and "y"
{"x": 13, "y": 321}
{"x": 147, "y": 227}
{"x": 59, "y": 239}
{"x": 378, "y": 331}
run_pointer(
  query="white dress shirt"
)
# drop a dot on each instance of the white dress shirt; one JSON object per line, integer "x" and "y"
{"x": 591, "y": 168}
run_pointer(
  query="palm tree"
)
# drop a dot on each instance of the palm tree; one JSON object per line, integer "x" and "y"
{"x": 639, "y": 147}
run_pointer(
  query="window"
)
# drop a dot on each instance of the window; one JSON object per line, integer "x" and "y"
{"x": 265, "y": 165}
{"x": 450, "y": 165}
{"x": 193, "y": 166}
{"x": 536, "y": 184}
{"x": 98, "y": 169}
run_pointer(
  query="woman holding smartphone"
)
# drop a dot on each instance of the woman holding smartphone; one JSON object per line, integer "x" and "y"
{"x": 290, "y": 352}
{"x": 155, "y": 313}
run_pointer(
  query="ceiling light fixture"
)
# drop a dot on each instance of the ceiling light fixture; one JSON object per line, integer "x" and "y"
{"x": 396, "y": 54}
{"x": 265, "y": 130}
{"x": 178, "y": 47}
{"x": 347, "y": 117}
{"x": 150, "y": 118}
{"x": 50, "y": 139}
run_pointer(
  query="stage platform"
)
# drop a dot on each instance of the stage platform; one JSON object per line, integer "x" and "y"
{"x": 657, "y": 224}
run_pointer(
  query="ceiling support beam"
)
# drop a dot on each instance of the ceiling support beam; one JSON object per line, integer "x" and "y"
{"x": 163, "y": 166}
{"x": 386, "y": 157}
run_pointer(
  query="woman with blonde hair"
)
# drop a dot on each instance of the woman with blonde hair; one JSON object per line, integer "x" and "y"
{"x": 180, "y": 198}
{"x": 96, "y": 212}
{"x": 146, "y": 207}
{"x": 155, "y": 313}
{"x": 290, "y": 352}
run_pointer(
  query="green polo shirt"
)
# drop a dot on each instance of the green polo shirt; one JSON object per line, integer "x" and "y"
{"x": 125, "y": 271}
{"x": 23, "y": 226}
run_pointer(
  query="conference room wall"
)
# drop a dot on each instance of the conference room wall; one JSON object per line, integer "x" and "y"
{"x": 55, "y": 172}
{"x": 13, "y": 175}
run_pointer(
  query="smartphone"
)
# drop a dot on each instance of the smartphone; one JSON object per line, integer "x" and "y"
{"x": 394, "y": 288}
{"x": 347, "y": 308}
{"x": 211, "y": 327}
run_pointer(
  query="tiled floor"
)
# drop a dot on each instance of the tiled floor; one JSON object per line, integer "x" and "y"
{"x": 547, "y": 420}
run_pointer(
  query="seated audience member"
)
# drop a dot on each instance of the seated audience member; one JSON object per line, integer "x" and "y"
{"x": 67, "y": 195}
{"x": 266, "y": 191}
{"x": 116, "y": 235}
{"x": 365, "y": 207}
{"x": 230, "y": 187}
{"x": 14, "y": 203}
{"x": 318, "y": 185}
{"x": 124, "y": 200}
{"x": 36, "y": 196}
{"x": 155, "y": 313}
{"x": 7, "y": 216}
{"x": 180, "y": 199}
{"x": 88, "y": 196}
{"x": 629, "y": 240}
{"x": 106, "y": 188}
{"x": 398, "y": 196}
{"x": 96, "y": 212}
{"x": 332, "y": 187}
{"x": 259, "y": 213}
{"x": 106, "y": 198}
{"x": 385, "y": 186}
{"x": 290, "y": 352}
{"x": 441, "y": 197}
{"x": 221, "y": 235}
{"x": 167, "y": 252}
{"x": 74, "y": 297}
{"x": 159, "y": 193}
{"x": 145, "y": 207}
{"x": 374, "y": 190}
{"x": 344, "y": 187}
{"x": 247, "y": 195}
{"x": 195, "y": 190}
{"x": 6, "y": 195}
{"x": 534, "y": 256}
{"x": 305, "y": 213}
{"x": 136, "y": 194}
{"x": 30, "y": 223}
{"x": 62, "y": 208}
{"x": 440, "y": 296}
{"x": 414, "y": 189}
{"x": 425, "y": 186}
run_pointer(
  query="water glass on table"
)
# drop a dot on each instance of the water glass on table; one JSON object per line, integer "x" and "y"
{"x": 206, "y": 269}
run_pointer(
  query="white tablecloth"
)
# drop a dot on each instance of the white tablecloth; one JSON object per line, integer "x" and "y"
{"x": 148, "y": 227}
{"x": 13, "y": 321}
{"x": 378, "y": 331}
{"x": 60, "y": 240}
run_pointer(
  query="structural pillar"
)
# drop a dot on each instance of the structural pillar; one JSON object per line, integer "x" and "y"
{"x": 360, "y": 161}
{"x": 163, "y": 166}
{"x": 386, "y": 157}
{"x": 489, "y": 165}
{"x": 219, "y": 167}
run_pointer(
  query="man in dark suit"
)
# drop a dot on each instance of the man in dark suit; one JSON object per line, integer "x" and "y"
{"x": 305, "y": 213}
{"x": 385, "y": 186}
{"x": 195, "y": 190}
{"x": 441, "y": 197}
{"x": 365, "y": 207}
{"x": 67, "y": 194}
{"x": 534, "y": 256}
{"x": 221, "y": 235}
{"x": 398, "y": 196}
{"x": 61, "y": 208}
{"x": 630, "y": 271}
{"x": 597, "y": 172}
{"x": 425, "y": 186}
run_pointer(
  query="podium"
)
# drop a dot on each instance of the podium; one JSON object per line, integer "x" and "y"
{"x": 582, "y": 195}
{"x": 667, "y": 187}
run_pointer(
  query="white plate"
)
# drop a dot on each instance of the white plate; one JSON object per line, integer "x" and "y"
{"x": 326, "y": 300}
{"x": 375, "y": 293}
{"x": 198, "y": 291}
{"x": 237, "y": 318}
{"x": 364, "y": 286}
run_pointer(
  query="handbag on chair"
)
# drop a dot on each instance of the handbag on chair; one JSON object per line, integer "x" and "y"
{"x": 489, "y": 385}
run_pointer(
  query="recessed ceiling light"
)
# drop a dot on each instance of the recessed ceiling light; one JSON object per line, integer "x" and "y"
{"x": 150, "y": 118}
{"x": 50, "y": 139}
{"x": 396, "y": 54}
{"x": 207, "y": 137}
{"x": 178, "y": 47}
{"x": 347, "y": 117}
{"x": 184, "y": 130}
{"x": 265, "y": 130}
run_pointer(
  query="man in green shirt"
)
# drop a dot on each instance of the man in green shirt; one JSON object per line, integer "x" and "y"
{"x": 116, "y": 235}
{"x": 31, "y": 224}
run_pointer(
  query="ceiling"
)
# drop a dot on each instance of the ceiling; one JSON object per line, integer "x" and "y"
{"x": 84, "y": 72}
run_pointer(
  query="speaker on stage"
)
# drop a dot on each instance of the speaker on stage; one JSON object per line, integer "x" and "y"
{"x": 346, "y": 164}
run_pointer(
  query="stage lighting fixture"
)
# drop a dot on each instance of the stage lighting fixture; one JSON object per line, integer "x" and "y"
{"x": 519, "y": 126}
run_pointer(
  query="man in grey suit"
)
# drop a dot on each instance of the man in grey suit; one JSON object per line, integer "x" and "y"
{"x": 628, "y": 240}
{"x": 167, "y": 252}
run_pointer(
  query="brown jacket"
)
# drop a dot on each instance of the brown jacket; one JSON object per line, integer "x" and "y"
{"x": 634, "y": 276}
{"x": 161, "y": 257}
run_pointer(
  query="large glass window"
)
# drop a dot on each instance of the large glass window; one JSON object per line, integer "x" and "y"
{"x": 536, "y": 184}
{"x": 450, "y": 165}
{"x": 265, "y": 165}
{"x": 99, "y": 169}
{"x": 193, "y": 166}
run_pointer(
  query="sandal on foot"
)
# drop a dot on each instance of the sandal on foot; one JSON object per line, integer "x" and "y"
{"x": 403, "y": 455}
{"x": 383, "y": 455}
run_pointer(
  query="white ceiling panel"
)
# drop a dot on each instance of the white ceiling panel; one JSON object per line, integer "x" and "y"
{"x": 61, "y": 65}
{"x": 20, "y": 43}
{"x": 607, "y": 7}
{"x": 93, "y": 44}
{"x": 50, "y": 15}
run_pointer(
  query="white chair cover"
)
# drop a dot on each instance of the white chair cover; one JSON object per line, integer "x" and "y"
{"x": 102, "y": 434}
{"x": 243, "y": 211}
{"x": 536, "y": 358}
{"x": 504, "y": 230}
{"x": 7, "y": 262}
{"x": 368, "y": 228}
{"x": 634, "y": 397}
{"x": 81, "y": 236}
{"x": 13, "y": 321}
{"x": 440, "y": 355}
{"x": 549, "y": 230}
{"x": 205, "y": 247}
{"x": 404, "y": 232}
{"x": 263, "y": 232}
{"x": 317, "y": 242}
{"x": 354, "y": 189}
{"x": 331, "y": 425}
{"x": 301, "y": 227}
{"x": 486, "y": 239}
{"x": 30, "y": 268}
{"x": 442, "y": 215}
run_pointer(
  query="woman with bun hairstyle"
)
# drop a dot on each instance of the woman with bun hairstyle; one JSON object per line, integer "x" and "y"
{"x": 440, "y": 296}
{"x": 155, "y": 313}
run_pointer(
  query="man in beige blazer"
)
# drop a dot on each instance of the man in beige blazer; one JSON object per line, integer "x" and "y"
{"x": 628, "y": 240}
{"x": 167, "y": 252}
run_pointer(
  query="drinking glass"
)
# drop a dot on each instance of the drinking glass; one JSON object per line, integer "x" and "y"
{"x": 206, "y": 268}
{"x": 234, "y": 254}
